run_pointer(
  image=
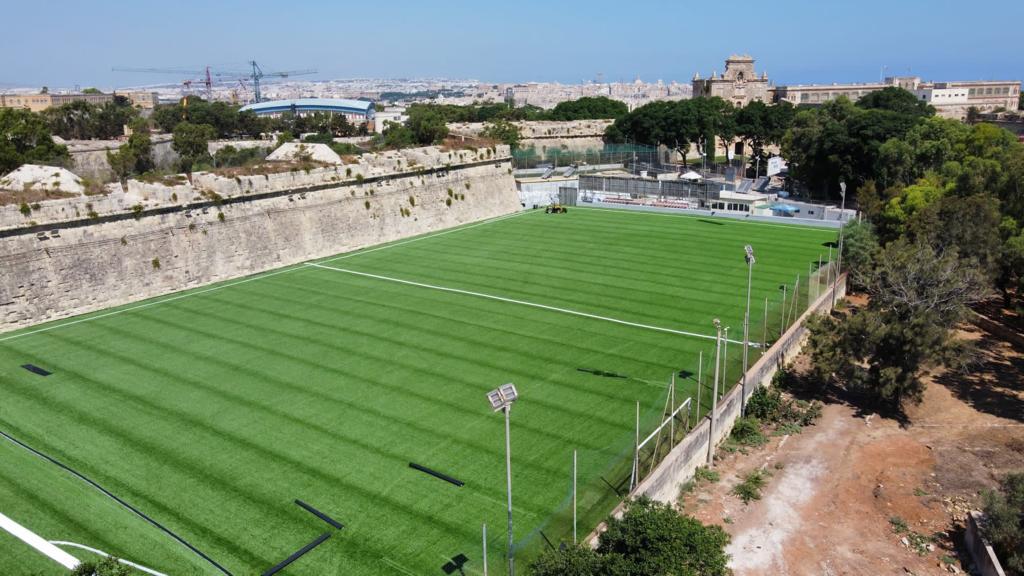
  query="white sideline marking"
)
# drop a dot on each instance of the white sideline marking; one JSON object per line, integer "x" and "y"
{"x": 418, "y": 238}
{"x": 105, "y": 555}
{"x": 39, "y": 543}
{"x": 250, "y": 279}
{"x": 521, "y": 302}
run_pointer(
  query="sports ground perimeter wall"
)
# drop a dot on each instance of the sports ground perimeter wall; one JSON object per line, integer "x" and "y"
{"x": 79, "y": 255}
{"x": 663, "y": 482}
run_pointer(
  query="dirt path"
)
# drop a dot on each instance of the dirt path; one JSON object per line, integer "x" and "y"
{"x": 837, "y": 487}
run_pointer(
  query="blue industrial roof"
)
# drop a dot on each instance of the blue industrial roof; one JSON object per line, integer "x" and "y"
{"x": 312, "y": 105}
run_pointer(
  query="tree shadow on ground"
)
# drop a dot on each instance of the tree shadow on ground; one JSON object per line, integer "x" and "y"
{"x": 995, "y": 384}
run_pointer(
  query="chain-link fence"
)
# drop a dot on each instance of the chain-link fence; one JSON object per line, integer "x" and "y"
{"x": 557, "y": 156}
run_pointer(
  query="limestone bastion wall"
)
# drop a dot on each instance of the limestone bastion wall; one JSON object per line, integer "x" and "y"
{"x": 78, "y": 255}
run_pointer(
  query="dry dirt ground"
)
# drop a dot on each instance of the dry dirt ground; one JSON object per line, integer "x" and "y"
{"x": 836, "y": 486}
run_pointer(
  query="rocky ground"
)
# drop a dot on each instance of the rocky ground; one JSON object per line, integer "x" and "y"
{"x": 858, "y": 494}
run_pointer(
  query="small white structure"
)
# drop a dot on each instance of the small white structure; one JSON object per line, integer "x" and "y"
{"x": 293, "y": 151}
{"x": 731, "y": 201}
{"x": 37, "y": 177}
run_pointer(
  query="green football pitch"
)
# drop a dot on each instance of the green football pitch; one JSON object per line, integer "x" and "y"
{"x": 213, "y": 410}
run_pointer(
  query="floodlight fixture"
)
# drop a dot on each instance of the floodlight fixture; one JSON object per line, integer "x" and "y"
{"x": 509, "y": 393}
{"x": 494, "y": 397}
{"x": 750, "y": 253}
{"x": 842, "y": 189}
{"x": 502, "y": 397}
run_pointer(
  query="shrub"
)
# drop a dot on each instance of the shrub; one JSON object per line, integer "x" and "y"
{"x": 412, "y": 200}
{"x": 747, "y": 431}
{"x": 750, "y": 488}
{"x": 1004, "y": 524}
{"x": 367, "y": 204}
{"x": 450, "y": 193}
{"x": 156, "y": 263}
{"x": 174, "y": 196}
{"x": 124, "y": 241}
{"x": 765, "y": 403}
{"x": 359, "y": 178}
{"x": 220, "y": 216}
{"x": 137, "y": 210}
{"x": 36, "y": 206}
{"x": 25, "y": 210}
{"x": 705, "y": 474}
{"x": 348, "y": 172}
{"x": 467, "y": 185}
{"x": 447, "y": 201}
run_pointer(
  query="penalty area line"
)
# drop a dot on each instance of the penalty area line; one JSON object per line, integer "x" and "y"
{"x": 39, "y": 543}
{"x": 519, "y": 302}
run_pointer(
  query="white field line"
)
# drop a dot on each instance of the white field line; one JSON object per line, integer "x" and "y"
{"x": 520, "y": 302}
{"x": 418, "y": 238}
{"x": 39, "y": 543}
{"x": 250, "y": 279}
{"x": 105, "y": 555}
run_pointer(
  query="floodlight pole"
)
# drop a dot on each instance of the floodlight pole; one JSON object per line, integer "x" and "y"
{"x": 574, "y": 539}
{"x": 764, "y": 328}
{"x": 700, "y": 381}
{"x": 714, "y": 396}
{"x": 746, "y": 328}
{"x": 782, "y": 321}
{"x": 485, "y": 548}
{"x": 725, "y": 359}
{"x": 839, "y": 259}
{"x": 508, "y": 477}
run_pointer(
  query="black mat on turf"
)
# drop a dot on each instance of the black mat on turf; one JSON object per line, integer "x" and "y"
{"x": 437, "y": 474}
{"x": 319, "y": 514}
{"x": 36, "y": 369}
{"x": 298, "y": 554}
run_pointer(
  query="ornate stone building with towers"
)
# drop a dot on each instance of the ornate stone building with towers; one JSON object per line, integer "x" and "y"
{"x": 739, "y": 83}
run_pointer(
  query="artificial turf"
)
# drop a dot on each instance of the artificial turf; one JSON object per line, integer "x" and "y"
{"x": 213, "y": 412}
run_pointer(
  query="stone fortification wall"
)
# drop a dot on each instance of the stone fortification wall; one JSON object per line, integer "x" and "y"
{"x": 89, "y": 157}
{"x": 83, "y": 254}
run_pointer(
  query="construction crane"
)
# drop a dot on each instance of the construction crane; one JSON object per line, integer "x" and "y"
{"x": 201, "y": 76}
{"x": 258, "y": 74}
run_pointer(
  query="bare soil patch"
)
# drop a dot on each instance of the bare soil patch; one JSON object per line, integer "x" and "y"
{"x": 842, "y": 490}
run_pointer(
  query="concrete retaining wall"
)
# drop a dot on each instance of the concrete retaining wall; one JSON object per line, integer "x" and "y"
{"x": 70, "y": 263}
{"x": 985, "y": 560}
{"x": 692, "y": 452}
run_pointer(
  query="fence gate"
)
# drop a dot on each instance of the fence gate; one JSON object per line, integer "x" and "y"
{"x": 567, "y": 196}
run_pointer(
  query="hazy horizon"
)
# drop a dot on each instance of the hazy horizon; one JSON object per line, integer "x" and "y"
{"x": 795, "y": 41}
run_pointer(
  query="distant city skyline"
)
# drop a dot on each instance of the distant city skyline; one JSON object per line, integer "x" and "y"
{"x": 794, "y": 41}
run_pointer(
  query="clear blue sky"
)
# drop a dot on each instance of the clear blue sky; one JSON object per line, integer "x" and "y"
{"x": 68, "y": 42}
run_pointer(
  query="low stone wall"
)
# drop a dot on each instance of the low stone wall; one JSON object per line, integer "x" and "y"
{"x": 71, "y": 262}
{"x": 985, "y": 561}
{"x": 692, "y": 452}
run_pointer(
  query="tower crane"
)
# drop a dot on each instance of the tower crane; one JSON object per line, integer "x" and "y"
{"x": 201, "y": 76}
{"x": 257, "y": 74}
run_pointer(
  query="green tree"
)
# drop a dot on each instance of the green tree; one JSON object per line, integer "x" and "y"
{"x": 191, "y": 142}
{"x": 107, "y": 567}
{"x": 122, "y": 162}
{"x": 860, "y": 248}
{"x": 654, "y": 538}
{"x": 1004, "y": 523}
{"x": 502, "y": 131}
{"x": 573, "y": 560}
{"x": 917, "y": 296}
{"x": 427, "y": 126}
{"x": 589, "y": 108}
{"x": 25, "y": 139}
{"x": 896, "y": 100}
{"x": 650, "y": 538}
